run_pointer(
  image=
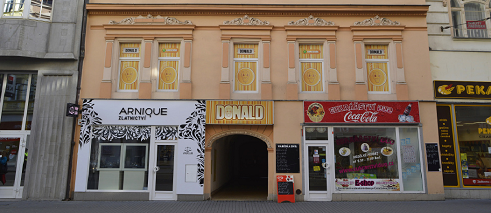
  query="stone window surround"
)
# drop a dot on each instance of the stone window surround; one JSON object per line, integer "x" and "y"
{"x": 486, "y": 6}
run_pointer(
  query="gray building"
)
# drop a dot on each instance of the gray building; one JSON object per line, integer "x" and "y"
{"x": 460, "y": 51}
{"x": 39, "y": 63}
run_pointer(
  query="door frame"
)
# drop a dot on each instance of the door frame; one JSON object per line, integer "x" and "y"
{"x": 16, "y": 190}
{"x": 320, "y": 195}
{"x": 156, "y": 195}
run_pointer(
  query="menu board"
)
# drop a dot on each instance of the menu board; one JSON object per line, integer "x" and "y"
{"x": 287, "y": 158}
{"x": 447, "y": 147}
{"x": 285, "y": 188}
{"x": 432, "y": 157}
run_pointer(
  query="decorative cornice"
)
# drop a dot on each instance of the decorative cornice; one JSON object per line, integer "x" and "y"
{"x": 151, "y": 19}
{"x": 377, "y": 21}
{"x": 246, "y": 21}
{"x": 311, "y": 21}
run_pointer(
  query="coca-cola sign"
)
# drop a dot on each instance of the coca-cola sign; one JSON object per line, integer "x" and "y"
{"x": 361, "y": 112}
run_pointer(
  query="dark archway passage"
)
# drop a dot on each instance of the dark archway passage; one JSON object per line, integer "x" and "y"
{"x": 239, "y": 168}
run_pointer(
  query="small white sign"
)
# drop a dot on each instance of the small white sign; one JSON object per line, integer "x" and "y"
{"x": 376, "y": 52}
{"x": 131, "y": 50}
{"x": 245, "y": 51}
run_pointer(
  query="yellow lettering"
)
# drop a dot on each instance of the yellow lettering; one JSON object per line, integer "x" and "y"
{"x": 485, "y": 131}
{"x": 251, "y": 113}
{"x": 259, "y": 112}
{"x": 236, "y": 112}
{"x": 470, "y": 89}
{"x": 220, "y": 114}
{"x": 479, "y": 90}
{"x": 245, "y": 113}
{"x": 479, "y": 130}
{"x": 488, "y": 91}
{"x": 460, "y": 89}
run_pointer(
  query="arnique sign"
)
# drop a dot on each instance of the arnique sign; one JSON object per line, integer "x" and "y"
{"x": 462, "y": 89}
{"x": 361, "y": 112}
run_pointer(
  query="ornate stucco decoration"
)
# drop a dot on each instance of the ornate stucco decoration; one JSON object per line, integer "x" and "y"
{"x": 444, "y": 3}
{"x": 377, "y": 21}
{"x": 246, "y": 20}
{"x": 151, "y": 19}
{"x": 311, "y": 21}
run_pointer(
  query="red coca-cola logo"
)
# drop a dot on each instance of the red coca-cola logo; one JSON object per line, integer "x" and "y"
{"x": 366, "y": 117}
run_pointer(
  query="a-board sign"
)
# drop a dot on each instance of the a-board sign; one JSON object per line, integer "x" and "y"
{"x": 285, "y": 188}
{"x": 432, "y": 157}
{"x": 447, "y": 146}
{"x": 287, "y": 158}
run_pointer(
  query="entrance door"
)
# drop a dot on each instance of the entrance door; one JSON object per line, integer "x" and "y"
{"x": 318, "y": 172}
{"x": 13, "y": 148}
{"x": 164, "y": 175}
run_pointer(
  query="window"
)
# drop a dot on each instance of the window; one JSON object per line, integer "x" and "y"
{"x": 118, "y": 164}
{"x": 38, "y": 9}
{"x": 377, "y": 64}
{"x": 169, "y": 58}
{"x": 311, "y": 66}
{"x": 373, "y": 159}
{"x": 17, "y": 97}
{"x": 469, "y": 19}
{"x": 129, "y": 66}
{"x": 245, "y": 67}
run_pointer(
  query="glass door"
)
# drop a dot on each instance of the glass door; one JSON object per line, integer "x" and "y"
{"x": 318, "y": 173}
{"x": 13, "y": 160}
{"x": 164, "y": 172}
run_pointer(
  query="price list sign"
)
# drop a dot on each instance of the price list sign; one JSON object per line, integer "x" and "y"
{"x": 287, "y": 158}
{"x": 447, "y": 146}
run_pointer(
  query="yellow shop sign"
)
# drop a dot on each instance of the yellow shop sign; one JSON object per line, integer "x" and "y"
{"x": 239, "y": 112}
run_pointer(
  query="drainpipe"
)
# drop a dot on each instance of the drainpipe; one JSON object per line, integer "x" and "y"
{"x": 79, "y": 79}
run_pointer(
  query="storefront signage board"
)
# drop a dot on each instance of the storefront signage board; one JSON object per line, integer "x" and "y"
{"x": 144, "y": 113}
{"x": 462, "y": 89}
{"x": 287, "y": 158}
{"x": 476, "y": 25}
{"x": 432, "y": 157}
{"x": 285, "y": 189}
{"x": 447, "y": 147}
{"x": 361, "y": 112}
{"x": 368, "y": 184}
{"x": 240, "y": 112}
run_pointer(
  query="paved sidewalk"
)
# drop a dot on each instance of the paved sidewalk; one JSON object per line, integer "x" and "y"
{"x": 448, "y": 206}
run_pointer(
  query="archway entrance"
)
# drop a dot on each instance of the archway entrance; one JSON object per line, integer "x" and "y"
{"x": 239, "y": 168}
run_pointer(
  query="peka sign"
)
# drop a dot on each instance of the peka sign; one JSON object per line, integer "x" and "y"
{"x": 361, "y": 112}
{"x": 133, "y": 112}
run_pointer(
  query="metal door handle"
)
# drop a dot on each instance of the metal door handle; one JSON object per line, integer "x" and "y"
{"x": 156, "y": 169}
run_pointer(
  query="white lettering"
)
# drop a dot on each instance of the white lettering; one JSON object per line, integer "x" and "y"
{"x": 366, "y": 117}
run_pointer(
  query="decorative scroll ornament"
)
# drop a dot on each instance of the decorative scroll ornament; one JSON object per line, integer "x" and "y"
{"x": 246, "y": 20}
{"x": 166, "y": 133}
{"x": 311, "y": 21}
{"x": 158, "y": 19}
{"x": 377, "y": 21}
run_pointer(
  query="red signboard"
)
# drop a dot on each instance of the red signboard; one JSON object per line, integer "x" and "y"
{"x": 476, "y": 182}
{"x": 361, "y": 112}
{"x": 472, "y": 25}
{"x": 285, "y": 188}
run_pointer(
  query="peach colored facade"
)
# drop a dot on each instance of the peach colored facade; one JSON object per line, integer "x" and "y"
{"x": 207, "y": 34}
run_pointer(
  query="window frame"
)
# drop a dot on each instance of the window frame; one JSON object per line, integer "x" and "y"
{"x": 177, "y": 59}
{"x": 461, "y": 26}
{"x": 27, "y": 97}
{"x": 256, "y": 60}
{"x": 386, "y": 61}
{"x": 121, "y": 59}
{"x": 26, "y": 13}
{"x": 309, "y": 60}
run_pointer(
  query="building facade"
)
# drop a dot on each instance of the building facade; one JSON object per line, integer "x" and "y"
{"x": 39, "y": 59}
{"x": 187, "y": 99}
{"x": 459, "y": 33}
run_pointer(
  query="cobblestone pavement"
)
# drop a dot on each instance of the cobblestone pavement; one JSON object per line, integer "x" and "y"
{"x": 448, "y": 206}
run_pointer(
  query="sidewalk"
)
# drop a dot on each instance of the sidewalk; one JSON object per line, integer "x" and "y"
{"x": 448, "y": 206}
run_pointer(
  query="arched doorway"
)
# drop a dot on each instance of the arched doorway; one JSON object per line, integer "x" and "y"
{"x": 239, "y": 168}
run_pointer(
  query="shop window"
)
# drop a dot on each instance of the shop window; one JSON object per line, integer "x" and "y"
{"x": 245, "y": 67}
{"x": 129, "y": 66}
{"x": 469, "y": 19}
{"x": 17, "y": 94}
{"x": 118, "y": 162}
{"x": 368, "y": 159}
{"x": 311, "y": 65}
{"x": 38, "y": 9}
{"x": 377, "y": 65}
{"x": 474, "y": 140}
{"x": 169, "y": 58}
